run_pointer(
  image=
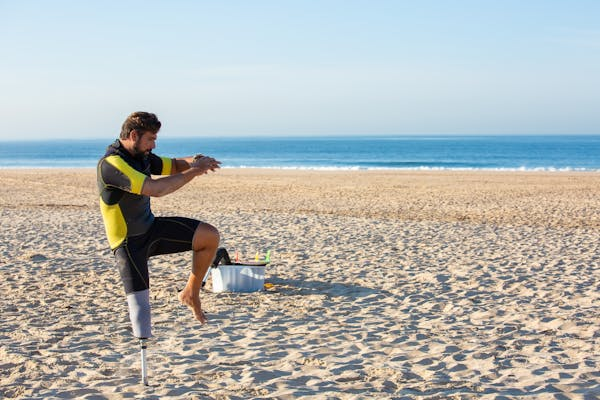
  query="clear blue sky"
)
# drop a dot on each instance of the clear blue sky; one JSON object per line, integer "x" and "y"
{"x": 77, "y": 68}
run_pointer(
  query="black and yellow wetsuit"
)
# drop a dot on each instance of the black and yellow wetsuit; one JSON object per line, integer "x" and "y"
{"x": 134, "y": 234}
{"x": 126, "y": 212}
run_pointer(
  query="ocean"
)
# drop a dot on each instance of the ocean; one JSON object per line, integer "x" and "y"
{"x": 497, "y": 153}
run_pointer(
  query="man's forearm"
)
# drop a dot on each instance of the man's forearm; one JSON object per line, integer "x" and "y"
{"x": 162, "y": 186}
{"x": 182, "y": 164}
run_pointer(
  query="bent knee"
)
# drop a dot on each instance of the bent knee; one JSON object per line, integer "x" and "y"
{"x": 205, "y": 236}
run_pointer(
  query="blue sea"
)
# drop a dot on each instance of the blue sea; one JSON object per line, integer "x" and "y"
{"x": 501, "y": 153}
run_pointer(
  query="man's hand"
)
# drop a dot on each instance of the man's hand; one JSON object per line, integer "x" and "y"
{"x": 203, "y": 164}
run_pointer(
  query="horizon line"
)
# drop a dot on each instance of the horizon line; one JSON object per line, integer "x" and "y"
{"x": 307, "y": 136}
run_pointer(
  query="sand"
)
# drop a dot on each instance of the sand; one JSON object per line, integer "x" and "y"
{"x": 386, "y": 285}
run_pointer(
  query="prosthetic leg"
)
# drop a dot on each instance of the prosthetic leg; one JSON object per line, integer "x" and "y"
{"x": 139, "y": 314}
{"x": 144, "y": 366}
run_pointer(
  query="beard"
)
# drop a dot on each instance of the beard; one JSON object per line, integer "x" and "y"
{"x": 139, "y": 154}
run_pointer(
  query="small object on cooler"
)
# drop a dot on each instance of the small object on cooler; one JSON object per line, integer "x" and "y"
{"x": 268, "y": 256}
{"x": 256, "y": 256}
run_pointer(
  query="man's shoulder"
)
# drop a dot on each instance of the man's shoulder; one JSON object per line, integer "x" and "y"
{"x": 115, "y": 156}
{"x": 117, "y": 170}
{"x": 116, "y": 161}
{"x": 111, "y": 160}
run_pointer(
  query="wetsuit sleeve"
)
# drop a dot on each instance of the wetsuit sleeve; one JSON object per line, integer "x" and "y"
{"x": 160, "y": 165}
{"x": 117, "y": 173}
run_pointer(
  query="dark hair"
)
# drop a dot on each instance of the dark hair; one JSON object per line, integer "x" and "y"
{"x": 140, "y": 121}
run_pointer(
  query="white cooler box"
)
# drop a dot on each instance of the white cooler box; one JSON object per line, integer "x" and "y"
{"x": 238, "y": 278}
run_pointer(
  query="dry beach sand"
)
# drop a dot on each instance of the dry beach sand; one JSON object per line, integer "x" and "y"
{"x": 386, "y": 285}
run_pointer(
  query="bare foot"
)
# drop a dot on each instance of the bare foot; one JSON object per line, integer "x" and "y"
{"x": 193, "y": 302}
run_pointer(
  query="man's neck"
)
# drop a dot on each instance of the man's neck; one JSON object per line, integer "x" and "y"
{"x": 127, "y": 145}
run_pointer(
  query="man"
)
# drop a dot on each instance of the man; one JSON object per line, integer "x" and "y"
{"x": 134, "y": 233}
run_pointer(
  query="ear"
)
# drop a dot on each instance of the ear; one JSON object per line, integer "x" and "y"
{"x": 134, "y": 135}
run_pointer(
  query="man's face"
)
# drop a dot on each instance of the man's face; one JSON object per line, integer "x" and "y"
{"x": 144, "y": 143}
